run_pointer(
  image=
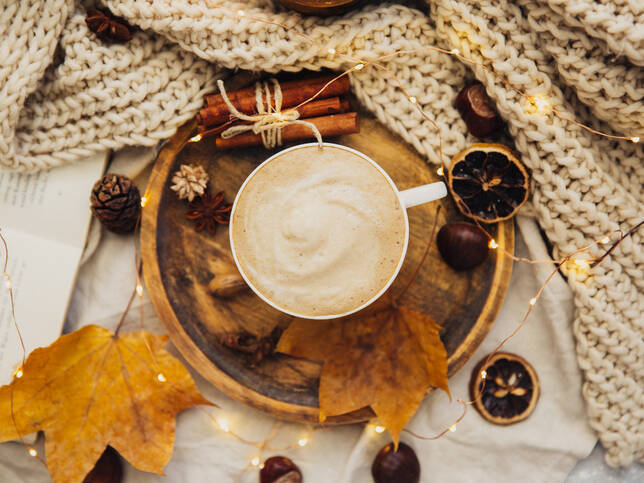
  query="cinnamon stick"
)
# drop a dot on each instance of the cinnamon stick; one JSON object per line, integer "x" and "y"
{"x": 334, "y": 125}
{"x": 293, "y": 93}
{"x": 332, "y": 105}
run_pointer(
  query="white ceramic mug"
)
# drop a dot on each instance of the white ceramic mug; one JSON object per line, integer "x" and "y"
{"x": 408, "y": 198}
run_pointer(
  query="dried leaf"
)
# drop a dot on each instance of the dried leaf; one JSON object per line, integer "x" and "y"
{"x": 385, "y": 358}
{"x": 90, "y": 389}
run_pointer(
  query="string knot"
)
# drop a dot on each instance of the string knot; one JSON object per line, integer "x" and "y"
{"x": 270, "y": 119}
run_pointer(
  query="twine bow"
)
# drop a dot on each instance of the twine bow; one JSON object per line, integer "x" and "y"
{"x": 269, "y": 120}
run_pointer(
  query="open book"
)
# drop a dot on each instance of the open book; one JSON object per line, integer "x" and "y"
{"x": 44, "y": 218}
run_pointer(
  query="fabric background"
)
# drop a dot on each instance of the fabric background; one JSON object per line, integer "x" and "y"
{"x": 63, "y": 94}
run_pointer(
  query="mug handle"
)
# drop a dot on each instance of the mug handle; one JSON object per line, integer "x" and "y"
{"x": 423, "y": 194}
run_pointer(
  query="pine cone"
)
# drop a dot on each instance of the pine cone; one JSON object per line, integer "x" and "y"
{"x": 189, "y": 181}
{"x": 116, "y": 202}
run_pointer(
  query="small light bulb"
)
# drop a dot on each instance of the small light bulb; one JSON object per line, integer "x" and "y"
{"x": 255, "y": 461}
{"x": 18, "y": 373}
{"x": 483, "y": 374}
{"x": 493, "y": 244}
{"x": 139, "y": 290}
{"x": 379, "y": 429}
{"x": 533, "y": 301}
{"x": 303, "y": 442}
{"x": 605, "y": 240}
{"x": 581, "y": 263}
{"x": 413, "y": 100}
{"x": 331, "y": 51}
{"x": 161, "y": 377}
{"x": 144, "y": 201}
{"x": 8, "y": 283}
{"x": 241, "y": 13}
{"x": 223, "y": 424}
{"x": 359, "y": 67}
{"x": 635, "y": 139}
{"x": 455, "y": 51}
{"x": 452, "y": 428}
{"x": 538, "y": 104}
{"x": 195, "y": 139}
{"x": 440, "y": 171}
{"x": 33, "y": 452}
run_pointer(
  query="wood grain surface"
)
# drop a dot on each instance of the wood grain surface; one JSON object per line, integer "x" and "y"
{"x": 180, "y": 263}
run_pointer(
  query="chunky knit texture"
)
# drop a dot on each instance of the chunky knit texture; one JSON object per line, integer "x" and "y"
{"x": 587, "y": 55}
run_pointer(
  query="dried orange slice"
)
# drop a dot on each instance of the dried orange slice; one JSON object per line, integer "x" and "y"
{"x": 488, "y": 182}
{"x": 509, "y": 391}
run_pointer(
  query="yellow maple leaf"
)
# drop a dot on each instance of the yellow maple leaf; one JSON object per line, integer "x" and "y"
{"x": 385, "y": 358}
{"x": 92, "y": 388}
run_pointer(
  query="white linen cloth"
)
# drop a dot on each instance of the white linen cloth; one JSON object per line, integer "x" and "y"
{"x": 544, "y": 448}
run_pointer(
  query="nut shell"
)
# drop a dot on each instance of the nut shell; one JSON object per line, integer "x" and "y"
{"x": 511, "y": 389}
{"x": 462, "y": 245}
{"x": 116, "y": 202}
{"x": 400, "y": 466}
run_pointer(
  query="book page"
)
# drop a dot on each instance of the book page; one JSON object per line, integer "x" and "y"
{"x": 44, "y": 218}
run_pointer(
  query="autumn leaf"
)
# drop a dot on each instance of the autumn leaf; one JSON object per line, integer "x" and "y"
{"x": 385, "y": 358}
{"x": 92, "y": 388}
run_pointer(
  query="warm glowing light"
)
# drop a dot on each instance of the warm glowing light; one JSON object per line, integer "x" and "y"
{"x": 139, "y": 290}
{"x": 241, "y": 13}
{"x": 195, "y": 139}
{"x": 635, "y": 139}
{"x": 223, "y": 424}
{"x": 303, "y": 442}
{"x": 413, "y": 100}
{"x": 452, "y": 428}
{"x": 605, "y": 240}
{"x": 255, "y": 461}
{"x": 161, "y": 377}
{"x": 533, "y": 301}
{"x": 581, "y": 263}
{"x": 18, "y": 373}
{"x": 379, "y": 429}
{"x": 33, "y": 452}
{"x": 331, "y": 51}
{"x": 358, "y": 67}
{"x": 440, "y": 171}
{"x": 144, "y": 201}
{"x": 483, "y": 374}
{"x": 538, "y": 104}
{"x": 8, "y": 282}
{"x": 455, "y": 51}
{"x": 493, "y": 244}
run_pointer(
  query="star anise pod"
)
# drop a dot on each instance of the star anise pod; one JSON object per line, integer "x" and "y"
{"x": 108, "y": 27}
{"x": 208, "y": 211}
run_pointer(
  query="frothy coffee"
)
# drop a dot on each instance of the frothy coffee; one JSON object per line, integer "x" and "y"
{"x": 318, "y": 231}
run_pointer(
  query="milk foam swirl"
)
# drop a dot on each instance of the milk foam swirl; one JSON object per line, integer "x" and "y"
{"x": 319, "y": 232}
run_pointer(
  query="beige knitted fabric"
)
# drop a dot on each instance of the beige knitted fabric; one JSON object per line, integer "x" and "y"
{"x": 587, "y": 55}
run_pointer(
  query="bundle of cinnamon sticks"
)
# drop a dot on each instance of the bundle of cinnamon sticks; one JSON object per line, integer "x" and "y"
{"x": 328, "y": 111}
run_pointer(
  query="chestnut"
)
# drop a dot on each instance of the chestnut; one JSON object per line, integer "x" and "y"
{"x": 462, "y": 245}
{"x": 400, "y": 466}
{"x": 477, "y": 110}
{"x": 108, "y": 468}
{"x": 279, "y": 469}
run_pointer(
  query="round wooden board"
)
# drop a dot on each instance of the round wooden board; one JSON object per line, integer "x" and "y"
{"x": 179, "y": 263}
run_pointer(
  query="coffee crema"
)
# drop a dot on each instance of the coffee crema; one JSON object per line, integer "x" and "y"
{"x": 318, "y": 231}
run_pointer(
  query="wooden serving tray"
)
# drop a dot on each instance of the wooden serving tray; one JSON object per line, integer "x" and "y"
{"x": 179, "y": 263}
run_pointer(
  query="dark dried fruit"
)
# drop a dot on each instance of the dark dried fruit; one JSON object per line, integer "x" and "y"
{"x": 209, "y": 211}
{"x": 462, "y": 245}
{"x": 488, "y": 182}
{"x": 510, "y": 390}
{"x": 477, "y": 110}
{"x": 108, "y": 468}
{"x": 279, "y": 469}
{"x": 400, "y": 466}
{"x": 116, "y": 202}
{"x": 256, "y": 348}
{"x": 108, "y": 27}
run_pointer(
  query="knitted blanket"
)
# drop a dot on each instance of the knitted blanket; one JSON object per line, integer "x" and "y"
{"x": 65, "y": 94}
